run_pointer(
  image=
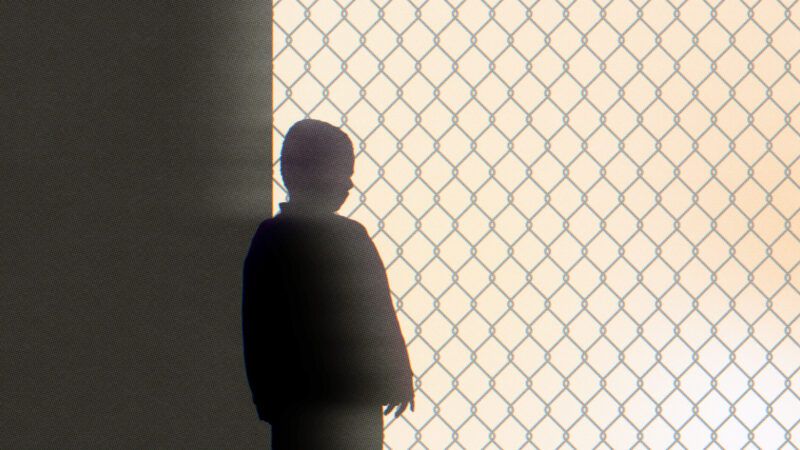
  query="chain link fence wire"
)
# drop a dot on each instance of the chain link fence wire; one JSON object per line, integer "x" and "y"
{"x": 588, "y": 210}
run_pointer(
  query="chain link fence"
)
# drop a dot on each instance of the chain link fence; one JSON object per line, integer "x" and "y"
{"x": 588, "y": 210}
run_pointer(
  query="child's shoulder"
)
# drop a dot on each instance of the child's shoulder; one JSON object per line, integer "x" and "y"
{"x": 283, "y": 223}
{"x": 348, "y": 222}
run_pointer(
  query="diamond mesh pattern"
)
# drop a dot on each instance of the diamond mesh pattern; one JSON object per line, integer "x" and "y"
{"x": 588, "y": 210}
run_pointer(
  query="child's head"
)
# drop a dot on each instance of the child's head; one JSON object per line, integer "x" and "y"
{"x": 316, "y": 164}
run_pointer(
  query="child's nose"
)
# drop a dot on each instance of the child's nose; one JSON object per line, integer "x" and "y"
{"x": 346, "y": 184}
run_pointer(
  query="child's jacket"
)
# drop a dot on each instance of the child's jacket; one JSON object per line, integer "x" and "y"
{"x": 318, "y": 321}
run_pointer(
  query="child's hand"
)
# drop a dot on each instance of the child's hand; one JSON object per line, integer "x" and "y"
{"x": 400, "y": 407}
{"x": 401, "y": 403}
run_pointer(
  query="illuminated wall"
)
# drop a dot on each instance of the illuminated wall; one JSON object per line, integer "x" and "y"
{"x": 588, "y": 212}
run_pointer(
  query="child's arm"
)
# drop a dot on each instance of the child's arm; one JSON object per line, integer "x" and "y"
{"x": 255, "y": 337}
{"x": 398, "y": 380}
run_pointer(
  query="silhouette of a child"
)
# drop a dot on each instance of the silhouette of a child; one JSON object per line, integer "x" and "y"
{"x": 323, "y": 348}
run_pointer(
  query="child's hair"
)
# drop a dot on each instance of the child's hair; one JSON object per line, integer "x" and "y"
{"x": 311, "y": 149}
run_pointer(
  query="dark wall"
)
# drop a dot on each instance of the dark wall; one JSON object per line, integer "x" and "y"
{"x": 135, "y": 139}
